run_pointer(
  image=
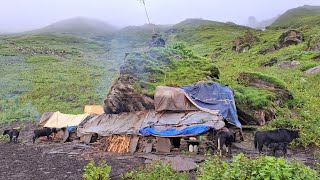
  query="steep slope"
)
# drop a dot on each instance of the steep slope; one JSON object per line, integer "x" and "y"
{"x": 297, "y": 17}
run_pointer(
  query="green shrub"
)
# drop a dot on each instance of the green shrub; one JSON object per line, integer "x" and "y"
{"x": 97, "y": 172}
{"x": 183, "y": 49}
{"x": 156, "y": 171}
{"x": 264, "y": 167}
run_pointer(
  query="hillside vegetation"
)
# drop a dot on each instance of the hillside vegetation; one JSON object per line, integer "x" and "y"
{"x": 297, "y": 17}
{"x": 58, "y": 72}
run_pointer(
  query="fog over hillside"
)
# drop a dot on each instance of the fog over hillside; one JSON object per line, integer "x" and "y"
{"x": 17, "y": 15}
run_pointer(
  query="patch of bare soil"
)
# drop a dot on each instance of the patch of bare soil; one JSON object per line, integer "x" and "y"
{"x": 18, "y": 161}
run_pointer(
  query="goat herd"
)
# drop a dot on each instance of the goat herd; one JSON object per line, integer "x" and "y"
{"x": 277, "y": 139}
{"x": 14, "y": 134}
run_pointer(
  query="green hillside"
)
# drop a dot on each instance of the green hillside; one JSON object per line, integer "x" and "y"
{"x": 62, "y": 68}
{"x": 64, "y": 71}
{"x": 297, "y": 17}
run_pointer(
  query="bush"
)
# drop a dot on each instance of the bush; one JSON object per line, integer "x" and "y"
{"x": 183, "y": 49}
{"x": 264, "y": 167}
{"x": 156, "y": 171}
{"x": 97, "y": 172}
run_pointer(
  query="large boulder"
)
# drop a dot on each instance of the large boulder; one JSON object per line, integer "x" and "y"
{"x": 271, "y": 62}
{"x": 313, "y": 70}
{"x": 244, "y": 43}
{"x": 123, "y": 97}
{"x": 289, "y": 64}
{"x": 291, "y": 37}
{"x": 251, "y": 115}
{"x": 265, "y": 83}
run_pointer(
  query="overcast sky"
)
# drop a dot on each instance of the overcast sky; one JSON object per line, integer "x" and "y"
{"x": 21, "y": 15}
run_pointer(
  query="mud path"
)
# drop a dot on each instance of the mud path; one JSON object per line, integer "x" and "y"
{"x": 28, "y": 162}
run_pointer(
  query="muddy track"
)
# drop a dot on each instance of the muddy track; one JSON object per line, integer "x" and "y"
{"x": 28, "y": 162}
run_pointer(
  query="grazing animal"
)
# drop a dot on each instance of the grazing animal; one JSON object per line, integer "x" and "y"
{"x": 226, "y": 137}
{"x": 278, "y": 146}
{"x": 13, "y": 134}
{"x": 43, "y": 132}
{"x": 262, "y": 138}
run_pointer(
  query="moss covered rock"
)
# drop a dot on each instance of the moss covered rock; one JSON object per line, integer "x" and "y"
{"x": 257, "y": 100}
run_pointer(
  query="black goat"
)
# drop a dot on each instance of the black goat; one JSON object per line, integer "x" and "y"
{"x": 13, "y": 134}
{"x": 226, "y": 137}
{"x": 262, "y": 138}
{"x": 43, "y": 132}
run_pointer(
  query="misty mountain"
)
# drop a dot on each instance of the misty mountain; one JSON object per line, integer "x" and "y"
{"x": 296, "y": 17}
{"x": 79, "y": 25}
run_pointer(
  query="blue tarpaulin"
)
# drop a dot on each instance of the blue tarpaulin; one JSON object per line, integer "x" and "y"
{"x": 173, "y": 124}
{"x": 174, "y": 132}
{"x": 71, "y": 128}
{"x": 214, "y": 96}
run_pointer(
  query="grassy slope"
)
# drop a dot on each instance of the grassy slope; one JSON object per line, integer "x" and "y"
{"x": 78, "y": 72}
{"x": 297, "y": 17}
{"x": 34, "y": 83}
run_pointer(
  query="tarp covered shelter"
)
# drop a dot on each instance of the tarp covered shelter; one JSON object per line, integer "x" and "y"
{"x": 186, "y": 111}
{"x": 60, "y": 120}
{"x": 177, "y": 124}
{"x": 109, "y": 124}
{"x": 213, "y": 96}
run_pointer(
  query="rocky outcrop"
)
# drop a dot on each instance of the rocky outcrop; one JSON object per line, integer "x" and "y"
{"x": 250, "y": 115}
{"x": 253, "y": 80}
{"x": 289, "y": 64}
{"x": 244, "y": 43}
{"x": 157, "y": 41}
{"x": 313, "y": 70}
{"x": 271, "y": 62}
{"x": 291, "y": 37}
{"x": 123, "y": 97}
